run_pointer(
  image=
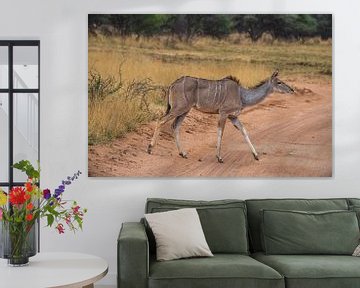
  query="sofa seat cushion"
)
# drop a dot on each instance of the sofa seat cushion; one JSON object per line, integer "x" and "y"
{"x": 313, "y": 271}
{"x": 222, "y": 270}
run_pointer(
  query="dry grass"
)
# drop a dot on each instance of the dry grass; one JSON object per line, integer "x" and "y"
{"x": 163, "y": 60}
{"x": 110, "y": 119}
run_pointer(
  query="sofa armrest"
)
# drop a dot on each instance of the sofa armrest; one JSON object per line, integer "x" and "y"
{"x": 133, "y": 256}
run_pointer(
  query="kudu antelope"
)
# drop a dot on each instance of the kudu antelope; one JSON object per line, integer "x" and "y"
{"x": 225, "y": 97}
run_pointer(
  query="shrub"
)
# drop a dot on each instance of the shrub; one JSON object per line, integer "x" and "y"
{"x": 100, "y": 86}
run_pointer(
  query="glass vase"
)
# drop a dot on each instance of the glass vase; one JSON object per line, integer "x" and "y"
{"x": 18, "y": 242}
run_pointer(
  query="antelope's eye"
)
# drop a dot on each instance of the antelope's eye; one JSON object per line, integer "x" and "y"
{"x": 278, "y": 82}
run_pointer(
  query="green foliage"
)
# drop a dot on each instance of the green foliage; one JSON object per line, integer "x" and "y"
{"x": 50, "y": 219}
{"x": 98, "y": 19}
{"x": 324, "y": 25}
{"x": 217, "y": 26}
{"x": 26, "y": 167}
{"x": 147, "y": 25}
{"x": 303, "y": 25}
{"x": 251, "y": 24}
{"x": 188, "y": 26}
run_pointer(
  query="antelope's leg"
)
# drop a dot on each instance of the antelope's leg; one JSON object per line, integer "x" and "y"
{"x": 176, "y": 126}
{"x": 221, "y": 126}
{"x": 236, "y": 122}
{"x": 159, "y": 124}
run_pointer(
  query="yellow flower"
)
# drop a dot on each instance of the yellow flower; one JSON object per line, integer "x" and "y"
{"x": 3, "y": 198}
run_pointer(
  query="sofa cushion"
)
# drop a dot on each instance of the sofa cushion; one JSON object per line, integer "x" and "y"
{"x": 223, "y": 221}
{"x": 254, "y": 216}
{"x": 356, "y": 209}
{"x": 353, "y": 201}
{"x": 313, "y": 271}
{"x": 178, "y": 234}
{"x": 222, "y": 270}
{"x": 297, "y": 232}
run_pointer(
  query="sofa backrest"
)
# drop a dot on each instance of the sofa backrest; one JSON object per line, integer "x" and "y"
{"x": 354, "y": 202}
{"x": 256, "y": 205}
{"x": 223, "y": 221}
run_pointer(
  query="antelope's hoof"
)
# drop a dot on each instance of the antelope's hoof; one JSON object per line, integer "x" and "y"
{"x": 149, "y": 149}
{"x": 256, "y": 157}
{"x": 220, "y": 160}
{"x": 183, "y": 155}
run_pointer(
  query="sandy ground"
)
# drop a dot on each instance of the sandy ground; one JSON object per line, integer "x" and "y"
{"x": 291, "y": 133}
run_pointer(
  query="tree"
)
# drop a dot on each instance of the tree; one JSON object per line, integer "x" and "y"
{"x": 147, "y": 25}
{"x": 98, "y": 19}
{"x": 175, "y": 25}
{"x": 187, "y": 26}
{"x": 184, "y": 26}
{"x": 194, "y": 26}
{"x": 305, "y": 25}
{"x": 324, "y": 25}
{"x": 122, "y": 23}
{"x": 284, "y": 26}
{"x": 250, "y": 24}
{"x": 216, "y": 25}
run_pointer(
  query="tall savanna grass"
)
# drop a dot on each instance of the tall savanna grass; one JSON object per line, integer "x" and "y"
{"x": 143, "y": 68}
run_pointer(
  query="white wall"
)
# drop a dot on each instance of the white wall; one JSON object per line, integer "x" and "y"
{"x": 62, "y": 28}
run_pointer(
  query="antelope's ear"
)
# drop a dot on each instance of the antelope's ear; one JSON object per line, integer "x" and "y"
{"x": 276, "y": 73}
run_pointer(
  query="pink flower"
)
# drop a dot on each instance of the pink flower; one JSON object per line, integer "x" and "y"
{"x": 1, "y": 212}
{"x": 76, "y": 209}
{"x": 60, "y": 228}
{"x": 68, "y": 219}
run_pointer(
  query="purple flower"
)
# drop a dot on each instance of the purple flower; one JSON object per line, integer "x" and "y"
{"x": 68, "y": 181}
{"x": 57, "y": 193}
{"x": 46, "y": 194}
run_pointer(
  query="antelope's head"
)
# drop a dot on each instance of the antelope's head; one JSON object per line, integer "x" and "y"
{"x": 278, "y": 85}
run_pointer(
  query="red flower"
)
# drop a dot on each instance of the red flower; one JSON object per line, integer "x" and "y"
{"x": 27, "y": 196}
{"x": 60, "y": 228}
{"x": 17, "y": 196}
{"x": 29, "y": 206}
{"x": 29, "y": 187}
{"x": 29, "y": 217}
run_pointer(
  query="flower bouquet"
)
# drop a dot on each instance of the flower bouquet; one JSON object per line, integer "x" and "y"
{"x": 21, "y": 208}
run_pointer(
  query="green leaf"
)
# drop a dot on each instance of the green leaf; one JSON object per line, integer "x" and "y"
{"x": 26, "y": 167}
{"x": 50, "y": 219}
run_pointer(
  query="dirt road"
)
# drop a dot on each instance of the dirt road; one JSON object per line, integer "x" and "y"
{"x": 292, "y": 134}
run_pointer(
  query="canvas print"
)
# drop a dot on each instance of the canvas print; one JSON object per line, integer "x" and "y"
{"x": 210, "y": 95}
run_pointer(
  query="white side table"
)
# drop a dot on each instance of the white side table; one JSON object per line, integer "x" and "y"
{"x": 60, "y": 270}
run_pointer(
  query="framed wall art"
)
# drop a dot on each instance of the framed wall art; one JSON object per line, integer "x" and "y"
{"x": 210, "y": 95}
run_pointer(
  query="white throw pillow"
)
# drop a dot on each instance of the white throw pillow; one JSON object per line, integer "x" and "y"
{"x": 178, "y": 234}
{"x": 357, "y": 251}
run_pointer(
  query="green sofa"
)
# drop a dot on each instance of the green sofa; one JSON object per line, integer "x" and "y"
{"x": 234, "y": 230}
